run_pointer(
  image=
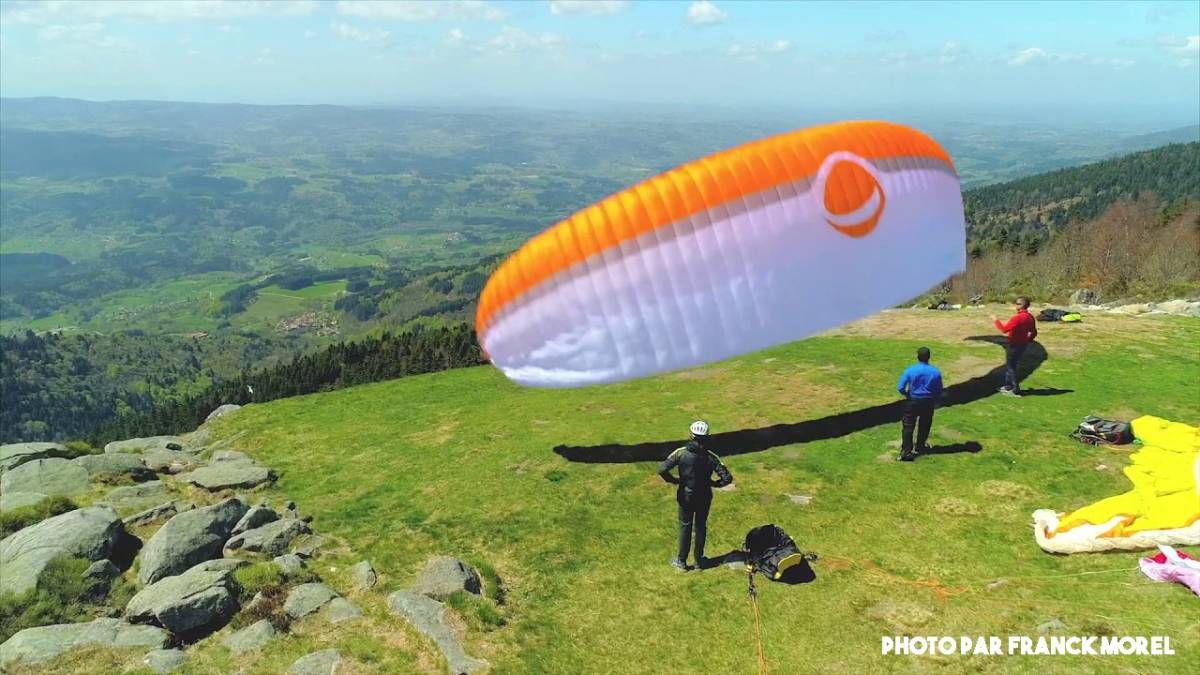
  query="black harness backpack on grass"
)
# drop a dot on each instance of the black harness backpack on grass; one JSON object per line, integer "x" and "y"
{"x": 771, "y": 552}
{"x": 1097, "y": 431}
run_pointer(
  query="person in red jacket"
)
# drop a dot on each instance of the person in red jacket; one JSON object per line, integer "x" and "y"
{"x": 1021, "y": 330}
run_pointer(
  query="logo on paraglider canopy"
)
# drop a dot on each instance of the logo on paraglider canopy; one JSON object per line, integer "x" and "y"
{"x": 851, "y": 193}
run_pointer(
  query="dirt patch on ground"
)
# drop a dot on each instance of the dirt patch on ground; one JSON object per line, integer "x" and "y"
{"x": 1004, "y": 489}
{"x": 435, "y": 436}
{"x": 902, "y": 617}
{"x": 953, "y": 506}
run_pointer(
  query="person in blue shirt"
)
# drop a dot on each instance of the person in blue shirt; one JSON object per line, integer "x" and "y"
{"x": 921, "y": 385}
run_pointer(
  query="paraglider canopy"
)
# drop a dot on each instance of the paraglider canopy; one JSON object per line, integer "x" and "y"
{"x": 764, "y": 243}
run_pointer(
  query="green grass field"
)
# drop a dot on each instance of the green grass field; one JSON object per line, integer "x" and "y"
{"x": 464, "y": 463}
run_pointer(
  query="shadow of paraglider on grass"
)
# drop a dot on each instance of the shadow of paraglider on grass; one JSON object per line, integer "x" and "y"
{"x": 832, "y": 426}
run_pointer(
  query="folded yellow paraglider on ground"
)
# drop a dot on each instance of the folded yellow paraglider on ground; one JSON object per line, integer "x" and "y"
{"x": 1162, "y": 508}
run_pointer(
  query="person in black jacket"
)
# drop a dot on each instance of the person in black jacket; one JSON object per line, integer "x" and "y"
{"x": 696, "y": 466}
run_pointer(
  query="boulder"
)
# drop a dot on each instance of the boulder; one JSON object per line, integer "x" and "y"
{"x": 54, "y": 476}
{"x": 136, "y": 497}
{"x": 309, "y": 547}
{"x": 251, "y": 638}
{"x": 171, "y": 461}
{"x": 271, "y": 539}
{"x": 230, "y": 473}
{"x": 189, "y": 538}
{"x": 324, "y": 662}
{"x": 93, "y": 533}
{"x": 141, "y": 446}
{"x": 338, "y": 610}
{"x": 17, "y": 500}
{"x": 222, "y": 565}
{"x": 222, "y": 411}
{"x": 41, "y": 644}
{"x": 198, "y": 440}
{"x": 257, "y": 516}
{"x": 116, "y": 464}
{"x": 364, "y": 575}
{"x": 1179, "y": 307}
{"x": 164, "y": 510}
{"x": 194, "y": 603}
{"x": 428, "y": 616}
{"x": 1085, "y": 296}
{"x": 13, "y": 455}
{"x": 443, "y": 575}
{"x": 101, "y": 572}
{"x": 230, "y": 456}
{"x": 290, "y": 564}
{"x": 306, "y": 599}
{"x": 164, "y": 661}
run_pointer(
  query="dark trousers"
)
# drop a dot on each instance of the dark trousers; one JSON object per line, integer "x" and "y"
{"x": 693, "y": 508}
{"x": 1012, "y": 357}
{"x": 918, "y": 412}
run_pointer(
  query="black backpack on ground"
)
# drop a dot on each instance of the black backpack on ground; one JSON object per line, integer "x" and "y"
{"x": 1052, "y": 314}
{"x": 1097, "y": 431}
{"x": 770, "y": 551}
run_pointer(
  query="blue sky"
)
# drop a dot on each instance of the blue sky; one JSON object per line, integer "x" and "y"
{"x": 1024, "y": 55}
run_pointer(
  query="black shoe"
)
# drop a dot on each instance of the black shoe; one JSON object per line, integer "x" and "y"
{"x": 921, "y": 450}
{"x": 679, "y": 565}
{"x": 908, "y": 456}
{"x": 1011, "y": 392}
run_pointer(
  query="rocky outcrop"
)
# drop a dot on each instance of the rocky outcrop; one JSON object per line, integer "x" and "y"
{"x": 324, "y": 662}
{"x": 200, "y": 600}
{"x": 17, "y": 500}
{"x": 230, "y": 472}
{"x": 171, "y": 461}
{"x": 141, "y": 446}
{"x": 290, "y": 564}
{"x": 140, "y": 496}
{"x": 442, "y": 576}
{"x": 93, "y": 533}
{"x": 338, "y": 610}
{"x": 428, "y": 616}
{"x": 114, "y": 465}
{"x": 364, "y": 575}
{"x": 222, "y": 411}
{"x": 164, "y": 510}
{"x": 309, "y": 547}
{"x": 250, "y": 639}
{"x": 101, "y": 572}
{"x": 164, "y": 661}
{"x": 271, "y": 539}
{"x": 53, "y": 476}
{"x": 306, "y": 599}
{"x": 41, "y": 644}
{"x": 1085, "y": 296}
{"x": 13, "y": 455}
{"x": 257, "y": 516}
{"x": 189, "y": 538}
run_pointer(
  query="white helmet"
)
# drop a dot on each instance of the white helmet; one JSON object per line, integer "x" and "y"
{"x": 699, "y": 428}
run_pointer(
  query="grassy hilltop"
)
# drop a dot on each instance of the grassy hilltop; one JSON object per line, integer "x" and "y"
{"x": 465, "y": 463}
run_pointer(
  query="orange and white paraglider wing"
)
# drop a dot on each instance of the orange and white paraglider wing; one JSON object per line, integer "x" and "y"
{"x": 765, "y": 243}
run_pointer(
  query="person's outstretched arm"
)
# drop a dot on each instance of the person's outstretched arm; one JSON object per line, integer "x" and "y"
{"x": 664, "y": 469}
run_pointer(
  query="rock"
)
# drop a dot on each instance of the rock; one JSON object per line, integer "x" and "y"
{"x": 117, "y": 464}
{"x": 258, "y": 604}
{"x": 999, "y": 583}
{"x": 41, "y": 644}
{"x": 189, "y": 538}
{"x": 196, "y": 602}
{"x": 1051, "y": 626}
{"x": 164, "y": 510}
{"x": 271, "y": 539}
{"x": 17, "y": 500}
{"x": 13, "y": 455}
{"x": 442, "y": 576}
{"x": 364, "y": 575}
{"x": 290, "y": 564}
{"x": 800, "y": 500}
{"x": 1179, "y": 307}
{"x": 93, "y": 533}
{"x": 222, "y": 565}
{"x": 140, "y": 496}
{"x": 257, "y": 516}
{"x": 230, "y": 473}
{"x": 141, "y": 446}
{"x": 250, "y": 639}
{"x": 165, "y": 660}
{"x": 222, "y": 411}
{"x": 338, "y": 610}
{"x": 309, "y": 547}
{"x": 171, "y": 461}
{"x": 230, "y": 456}
{"x": 428, "y": 616}
{"x": 1085, "y": 296}
{"x": 198, "y": 440}
{"x": 306, "y": 599}
{"x": 52, "y": 476}
{"x": 101, "y": 572}
{"x": 324, "y": 662}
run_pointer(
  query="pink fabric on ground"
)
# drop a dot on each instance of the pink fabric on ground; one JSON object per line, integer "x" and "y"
{"x": 1175, "y": 566}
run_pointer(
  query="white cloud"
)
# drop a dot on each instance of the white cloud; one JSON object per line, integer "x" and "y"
{"x": 63, "y": 11}
{"x": 754, "y": 51}
{"x": 264, "y": 57}
{"x": 1030, "y": 56}
{"x": 705, "y": 13}
{"x": 952, "y": 53}
{"x": 345, "y": 30}
{"x": 1190, "y": 46}
{"x": 310, "y": 34}
{"x": 513, "y": 40}
{"x": 421, "y": 10}
{"x": 89, "y": 35}
{"x": 454, "y": 38}
{"x": 587, "y": 7}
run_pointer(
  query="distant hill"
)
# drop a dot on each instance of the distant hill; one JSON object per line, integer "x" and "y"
{"x": 1035, "y": 208}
